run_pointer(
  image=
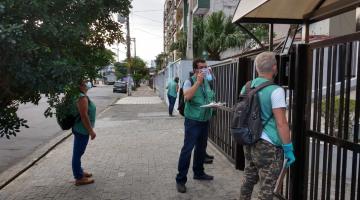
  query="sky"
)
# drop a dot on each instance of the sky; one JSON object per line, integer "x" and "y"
{"x": 146, "y": 25}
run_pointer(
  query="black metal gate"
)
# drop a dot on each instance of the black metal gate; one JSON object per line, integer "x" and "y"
{"x": 328, "y": 150}
{"x": 231, "y": 76}
{"x": 226, "y": 91}
{"x": 323, "y": 96}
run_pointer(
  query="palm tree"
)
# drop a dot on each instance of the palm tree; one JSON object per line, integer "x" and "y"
{"x": 198, "y": 31}
{"x": 215, "y": 34}
{"x": 220, "y": 34}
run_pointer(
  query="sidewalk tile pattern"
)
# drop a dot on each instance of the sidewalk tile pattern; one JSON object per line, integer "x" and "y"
{"x": 139, "y": 100}
{"x": 133, "y": 157}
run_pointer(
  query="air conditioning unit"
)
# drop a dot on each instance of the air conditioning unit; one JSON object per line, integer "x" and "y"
{"x": 201, "y": 7}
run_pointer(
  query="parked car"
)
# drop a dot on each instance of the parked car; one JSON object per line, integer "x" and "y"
{"x": 109, "y": 79}
{"x": 120, "y": 86}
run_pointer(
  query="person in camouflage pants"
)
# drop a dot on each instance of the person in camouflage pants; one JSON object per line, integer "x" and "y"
{"x": 264, "y": 159}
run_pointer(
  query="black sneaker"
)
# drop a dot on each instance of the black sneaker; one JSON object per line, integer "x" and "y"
{"x": 208, "y": 161}
{"x": 209, "y": 156}
{"x": 204, "y": 177}
{"x": 181, "y": 187}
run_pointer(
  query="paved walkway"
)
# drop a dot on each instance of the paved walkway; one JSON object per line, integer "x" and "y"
{"x": 134, "y": 156}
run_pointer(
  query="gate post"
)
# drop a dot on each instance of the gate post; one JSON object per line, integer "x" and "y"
{"x": 302, "y": 75}
{"x": 244, "y": 75}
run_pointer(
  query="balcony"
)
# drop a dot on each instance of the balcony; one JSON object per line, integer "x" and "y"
{"x": 201, "y": 7}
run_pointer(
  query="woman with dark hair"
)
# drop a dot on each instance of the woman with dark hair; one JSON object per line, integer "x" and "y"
{"x": 82, "y": 130}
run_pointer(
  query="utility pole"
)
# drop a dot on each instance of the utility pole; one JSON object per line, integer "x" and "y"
{"x": 358, "y": 19}
{"x": 189, "y": 43}
{"x": 128, "y": 54}
{"x": 271, "y": 36}
{"x": 134, "y": 39}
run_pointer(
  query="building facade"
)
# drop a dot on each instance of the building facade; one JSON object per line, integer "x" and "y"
{"x": 174, "y": 22}
{"x": 176, "y": 18}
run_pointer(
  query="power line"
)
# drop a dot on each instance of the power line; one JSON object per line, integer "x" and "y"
{"x": 137, "y": 11}
{"x": 149, "y": 19}
{"x": 148, "y": 25}
{"x": 147, "y": 32}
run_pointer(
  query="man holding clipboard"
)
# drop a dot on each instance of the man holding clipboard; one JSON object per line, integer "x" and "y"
{"x": 196, "y": 124}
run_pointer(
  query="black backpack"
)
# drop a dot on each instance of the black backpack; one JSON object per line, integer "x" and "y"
{"x": 181, "y": 104}
{"x": 246, "y": 125}
{"x": 67, "y": 113}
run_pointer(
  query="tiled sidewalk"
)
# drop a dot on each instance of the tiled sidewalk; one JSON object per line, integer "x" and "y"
{"x": 134, "y": 156}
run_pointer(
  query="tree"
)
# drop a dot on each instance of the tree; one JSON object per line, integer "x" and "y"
{"x": 120, "y": 69}
{"x": 138, "y": 69}
{"x": 220, "y": 34}
{"x": 46, "y": 47}
{"x": 97, "y": 59}
{"x": 199, "y": 32}
{"x": 215, "y": 34}
{"x": 160, "y": 61}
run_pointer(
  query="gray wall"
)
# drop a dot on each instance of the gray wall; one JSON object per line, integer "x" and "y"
{"x": 343, "y": 24}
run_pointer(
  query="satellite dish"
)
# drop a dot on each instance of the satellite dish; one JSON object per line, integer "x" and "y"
{"x": 121, "y": 19}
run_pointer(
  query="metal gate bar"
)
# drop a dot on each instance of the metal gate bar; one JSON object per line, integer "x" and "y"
{"x": 334, "y": 149}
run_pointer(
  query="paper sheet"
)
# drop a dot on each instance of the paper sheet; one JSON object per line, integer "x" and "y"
{"x": 217, "y": 105}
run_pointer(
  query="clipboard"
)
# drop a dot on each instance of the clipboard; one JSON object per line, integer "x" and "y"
{"x": 217, "y": 105}
{"x": 280, "y": 180}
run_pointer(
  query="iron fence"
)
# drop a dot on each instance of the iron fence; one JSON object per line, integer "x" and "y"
{"x": 323, "y": 96}
{"x": 332, "y": 120}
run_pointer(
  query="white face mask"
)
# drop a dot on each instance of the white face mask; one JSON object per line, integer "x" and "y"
{"x": 207, "y": 74}
{"x": 88, "y": 85}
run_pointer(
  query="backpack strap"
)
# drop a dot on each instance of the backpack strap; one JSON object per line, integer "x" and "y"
{"x": 256, "y": 89}
{"x": 191, "y": 81}
{"x": 261, "y": 86}
{"x": 247, "y": 87}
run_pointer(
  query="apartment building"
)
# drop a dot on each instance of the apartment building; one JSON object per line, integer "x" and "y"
{"x": 173, "y": 23}
{"x": 176, "y": 12}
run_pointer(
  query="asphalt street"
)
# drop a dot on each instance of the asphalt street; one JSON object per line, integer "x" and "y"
{"x": 43, "y": 129}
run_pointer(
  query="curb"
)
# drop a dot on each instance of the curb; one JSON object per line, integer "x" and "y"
{"x": 27, "y": 163}
{"x": 15, "y": 171}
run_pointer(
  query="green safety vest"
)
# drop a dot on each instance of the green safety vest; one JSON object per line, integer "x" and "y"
{"x": 266, "y": 109}
{"x": 203, "y": 95}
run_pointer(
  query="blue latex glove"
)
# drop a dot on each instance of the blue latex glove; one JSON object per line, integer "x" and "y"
{"x": 289, "y": 153}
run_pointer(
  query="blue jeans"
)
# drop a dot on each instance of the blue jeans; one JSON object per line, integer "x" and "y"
{"x": 80, "y": 143}
{"x": 196, "y": 134}
{"x": 171, "y": 104}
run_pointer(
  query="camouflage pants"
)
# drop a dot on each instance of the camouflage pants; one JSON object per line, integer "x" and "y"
{"x": 263, "y": 161}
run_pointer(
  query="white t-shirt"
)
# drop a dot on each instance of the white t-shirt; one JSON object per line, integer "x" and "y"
{"x": 277, "y": 101}
{"x": 187, "y": 85}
